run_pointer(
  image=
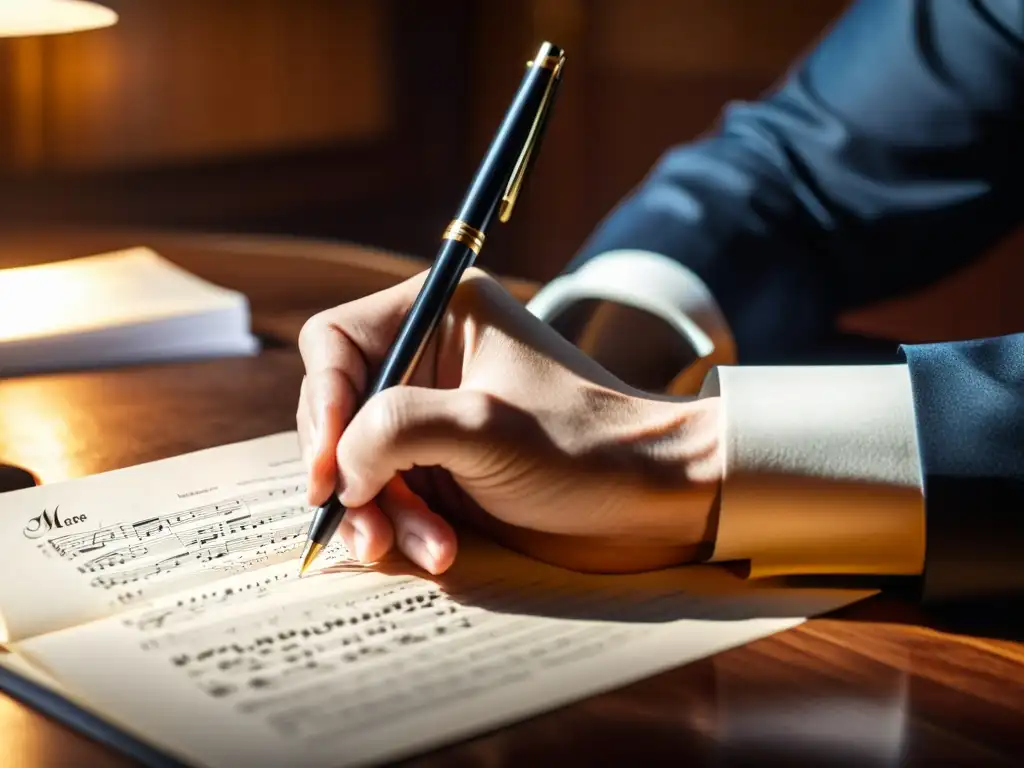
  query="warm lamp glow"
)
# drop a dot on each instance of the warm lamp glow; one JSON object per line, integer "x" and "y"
{"x": 21, "y": 18}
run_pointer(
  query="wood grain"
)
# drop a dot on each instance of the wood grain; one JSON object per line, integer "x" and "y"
{"x": 192, "y": 79}
{"x": 881, "y": 683}
{"x": 339, "y": 116}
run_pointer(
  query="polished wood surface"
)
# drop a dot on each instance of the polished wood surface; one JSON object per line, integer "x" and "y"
{"x": 881, "y": 683}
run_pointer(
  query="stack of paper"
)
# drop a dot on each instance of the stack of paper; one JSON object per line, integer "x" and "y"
{"x": 119, "y": 308}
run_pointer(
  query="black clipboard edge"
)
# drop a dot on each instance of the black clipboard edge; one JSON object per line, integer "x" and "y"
{"x": 67, "y": 713}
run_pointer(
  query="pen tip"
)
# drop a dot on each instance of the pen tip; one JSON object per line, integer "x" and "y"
{"x": 309, "y": 555}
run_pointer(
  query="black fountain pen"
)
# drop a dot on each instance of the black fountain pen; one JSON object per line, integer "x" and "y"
{"x": 495, "y": 188}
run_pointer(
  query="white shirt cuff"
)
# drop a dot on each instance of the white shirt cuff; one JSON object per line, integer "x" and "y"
{"x": 656, "y": 284}
{"x": 822, "y": 471}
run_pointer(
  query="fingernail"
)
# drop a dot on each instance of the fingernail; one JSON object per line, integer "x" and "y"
{"x": 416, "y": 550}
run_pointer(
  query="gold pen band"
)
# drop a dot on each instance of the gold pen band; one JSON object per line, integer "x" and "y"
{"x": 461, "y": 232}
{"x": 548, "y": 62}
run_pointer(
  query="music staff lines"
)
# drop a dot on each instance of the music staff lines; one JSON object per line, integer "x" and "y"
{"x": 72, "y": 546}
{"x": 291, "y": 534}
{"x": 189, "y": 539}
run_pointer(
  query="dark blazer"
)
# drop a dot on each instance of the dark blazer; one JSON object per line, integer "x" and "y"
{"x": 888, "y": 157}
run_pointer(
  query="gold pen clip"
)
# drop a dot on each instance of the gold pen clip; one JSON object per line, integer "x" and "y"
{"x": 515, "y": 183}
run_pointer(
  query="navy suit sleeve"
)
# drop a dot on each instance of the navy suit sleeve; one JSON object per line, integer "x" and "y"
{"x": 969, "y": 405}
{"x": 884, "y": 160}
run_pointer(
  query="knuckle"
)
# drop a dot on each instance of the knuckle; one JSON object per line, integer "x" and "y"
{"x": 474, "y": 276}
{"x": 473, "y": 293}
{"x": 387, "y": 414}
{"x": 312, "y": 331}
{"x": 478, "y": 412}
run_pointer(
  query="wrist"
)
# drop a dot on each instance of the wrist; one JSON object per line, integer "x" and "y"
{"x": 683, "y": 454}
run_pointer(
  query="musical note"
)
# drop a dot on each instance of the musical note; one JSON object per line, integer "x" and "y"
{"x": 324, "y": 666}
{"x": 137, "y": 560}
{"x": 74, "y": 545}
{"x": 113, "y": 559}
{"x": 210, "y": 547}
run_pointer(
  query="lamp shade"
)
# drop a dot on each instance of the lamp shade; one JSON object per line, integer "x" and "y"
{"x": 20, "y": 18}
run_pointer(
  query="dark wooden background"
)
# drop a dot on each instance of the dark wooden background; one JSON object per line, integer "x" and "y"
{"x": 362, "y": 120}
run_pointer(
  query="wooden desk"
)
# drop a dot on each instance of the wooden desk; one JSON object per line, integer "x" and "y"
{"x": 878, "y": 684}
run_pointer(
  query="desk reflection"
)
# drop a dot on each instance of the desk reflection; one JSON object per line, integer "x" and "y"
{"x": 765, "y": 721}
{"x": 41, "y": 430}
{"x": 736, "y": 709}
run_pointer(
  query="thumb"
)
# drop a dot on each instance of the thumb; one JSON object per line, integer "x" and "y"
{"x": 404, "y": 427}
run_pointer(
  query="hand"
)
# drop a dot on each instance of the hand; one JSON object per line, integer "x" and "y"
{"x": 507, "y": 427}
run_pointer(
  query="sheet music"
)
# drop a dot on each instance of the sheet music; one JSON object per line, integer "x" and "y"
{"x": 353, "y": 667}
{"x": 80, "y": 550}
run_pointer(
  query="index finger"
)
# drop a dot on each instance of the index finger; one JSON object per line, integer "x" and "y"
{"x": 357, "y": 333}
{"x": 338, "y": 348}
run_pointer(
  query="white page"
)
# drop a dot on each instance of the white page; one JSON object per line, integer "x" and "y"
{"x": 115, "y": 308}
{"x": 86, "y": 548}
{"x": 126, "y": 287}
{"x": 353, "y": 668}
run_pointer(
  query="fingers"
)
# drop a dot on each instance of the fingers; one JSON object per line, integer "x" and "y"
{"x": 367, "y": 533}
{"x": 302, "y": 423}
{"x": 356, "y": 332}
{"x": 422, "y": 535}
{"x": 332, "y": 399}
{"x": 404, "y": 427}
{"x": 327, "y": 400}
{"x": 337, "y": 347}
{"x": 402, "y": 518}
{"x": 319, "y": 463}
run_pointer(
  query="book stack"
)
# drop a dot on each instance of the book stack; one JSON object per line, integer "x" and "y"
{"x": 122, "y": 308}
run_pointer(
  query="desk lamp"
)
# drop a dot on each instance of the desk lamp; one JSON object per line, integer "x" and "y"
{"x": 24, "y": 18}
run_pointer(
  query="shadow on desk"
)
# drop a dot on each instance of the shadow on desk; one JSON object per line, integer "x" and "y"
{"x": 983, "y": 618}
